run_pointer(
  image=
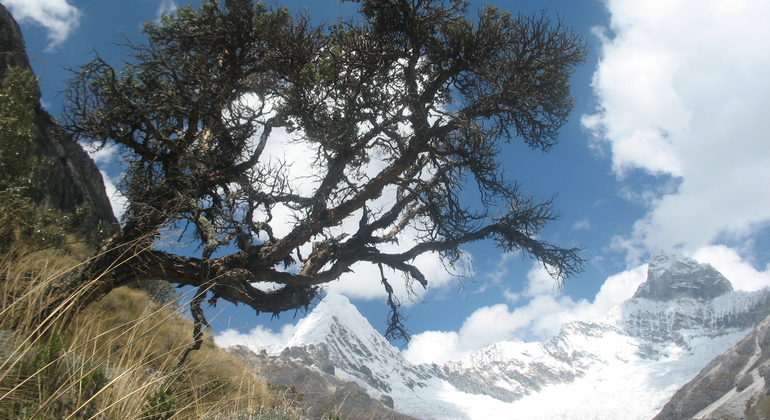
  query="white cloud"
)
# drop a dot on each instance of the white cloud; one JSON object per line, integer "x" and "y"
{"x": 256, "y": 339}
{"x": 741, "y": 273}
{"x": 364, "y": 282}
{"x": 166, "y": 6}
{"x": 538, "y": 319}
{"x": 104, "y": 158}
{"x": 582, "y": 224}
{"x": 432, "y": 347}
{"x": 118, "y": 201}
{"x": 682, "y": 88}
{"x": 545, "y": 310}
{"x": 539, "y": 282}
{"x": 495, "y": 271}
{"x": 58, "y": 17}
{"x": 297, "y": 158}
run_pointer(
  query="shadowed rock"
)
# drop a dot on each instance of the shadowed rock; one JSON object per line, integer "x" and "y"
{"x": 71, "y": 181}
{"x": 671, "y": 277}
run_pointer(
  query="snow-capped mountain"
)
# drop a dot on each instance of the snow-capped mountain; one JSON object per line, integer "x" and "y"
{"x": 335, "y": 337}
{"x": 625, "y": 365}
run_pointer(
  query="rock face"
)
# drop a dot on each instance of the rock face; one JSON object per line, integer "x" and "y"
{"x": 11, "y": 43}
{"x": 735, "y": 384}
{"x": 318, "y": 394}
{"x": 670, "y": 277}
{"x": 72, "y": 180}
{"x": 624, "y": 365}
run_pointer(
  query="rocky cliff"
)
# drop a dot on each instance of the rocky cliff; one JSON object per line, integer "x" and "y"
{"x": 71, "y": 181}
{"x": 670, "y": 277}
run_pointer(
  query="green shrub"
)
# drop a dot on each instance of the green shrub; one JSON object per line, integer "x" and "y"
{"x": 45, "y": 381}
{"x": 18, "y": 100}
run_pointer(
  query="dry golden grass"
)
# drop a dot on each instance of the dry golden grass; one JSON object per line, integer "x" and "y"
{"x": 117, "y": 358}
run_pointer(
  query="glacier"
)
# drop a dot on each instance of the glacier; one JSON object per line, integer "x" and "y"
{"x": 627, "y": 364}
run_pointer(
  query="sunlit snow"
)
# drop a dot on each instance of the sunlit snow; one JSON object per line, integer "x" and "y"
{"x": 626, "y": 365}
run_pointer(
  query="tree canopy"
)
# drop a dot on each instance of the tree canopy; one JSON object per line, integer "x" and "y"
{"x": 405, "y": 107}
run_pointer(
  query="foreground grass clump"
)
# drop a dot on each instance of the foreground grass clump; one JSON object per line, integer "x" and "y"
{"x": 117, "y": 358}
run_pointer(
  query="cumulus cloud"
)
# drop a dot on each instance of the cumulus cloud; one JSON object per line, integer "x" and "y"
{"x": 432, "y": 347}
{"x": 58, "y": 17}
{"x": 364, "y": 281}
{"x": 256, "y": 339}
{"x": 118, "y": 201}
{"x": 742, "y": 274}
{"x": 682, "y": 90}
{"x": 536, "y": 319}
{"x": 296, "y": 158}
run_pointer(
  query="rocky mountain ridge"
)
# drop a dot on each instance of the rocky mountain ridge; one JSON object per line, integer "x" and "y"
{"x": 627, "y": 364}
{"x": 72, "y": 180}
{"x": 670, "y": 277}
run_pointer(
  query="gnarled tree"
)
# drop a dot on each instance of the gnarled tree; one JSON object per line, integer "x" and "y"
{"x": 405, "y": 107}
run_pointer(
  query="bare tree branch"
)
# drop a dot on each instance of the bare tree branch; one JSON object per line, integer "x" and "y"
{"x": 404, "y": 109}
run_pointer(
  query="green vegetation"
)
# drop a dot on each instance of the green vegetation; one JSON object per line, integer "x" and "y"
{"x": 20, "y": 169}
{"x": 758, "y": 407}
{"x": 116, "y": 358}
{"x": 18, "y": 100}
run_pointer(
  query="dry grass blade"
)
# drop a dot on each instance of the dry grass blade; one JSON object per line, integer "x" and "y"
{"x": 116, "y": 358}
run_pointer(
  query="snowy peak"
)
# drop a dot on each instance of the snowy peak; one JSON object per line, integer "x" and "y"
{"x": 336, "y": 337}
{"x": 624, "y": 365}
{"x": 332, "y": 314}
{"x": 671, "y": 277}
{"x": 682, "y": 298}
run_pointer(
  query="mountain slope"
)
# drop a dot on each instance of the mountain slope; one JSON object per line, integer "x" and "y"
{"x": 733, "y": 385}
{"x": 318, "y": 394}
{"x": 625, "y": 365}
{"x": 335, "y": 337}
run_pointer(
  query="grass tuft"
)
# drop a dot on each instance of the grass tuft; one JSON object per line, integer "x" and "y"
{"x": 117, "y": 358}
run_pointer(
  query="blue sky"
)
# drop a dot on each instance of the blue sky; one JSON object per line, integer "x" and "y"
{"x": 667, "y": 148}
